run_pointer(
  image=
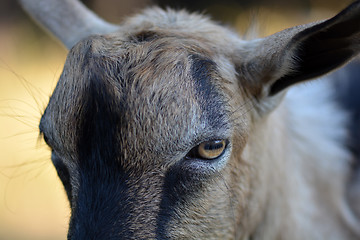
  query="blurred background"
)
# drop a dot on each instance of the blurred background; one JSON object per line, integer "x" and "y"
{"x": 33, "y": 204}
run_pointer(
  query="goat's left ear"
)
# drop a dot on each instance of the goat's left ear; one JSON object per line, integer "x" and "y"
{"x": 300, "y": 53}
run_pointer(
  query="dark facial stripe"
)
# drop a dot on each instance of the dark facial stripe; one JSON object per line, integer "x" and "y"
{"x": 103, "y": 206}
{"x": 181, "y": 184}
{"x": 169, "y": 202}
{"x": 202, "y": 72}
{"x": 103, "y": 203}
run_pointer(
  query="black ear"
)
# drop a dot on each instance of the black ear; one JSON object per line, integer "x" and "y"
{"x": 324, "y": 47}
{"x": 304, "y": 52}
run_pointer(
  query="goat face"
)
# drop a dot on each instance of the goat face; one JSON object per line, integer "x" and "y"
{"x": 125, "y": 123}
{"x": 157, "y": 129}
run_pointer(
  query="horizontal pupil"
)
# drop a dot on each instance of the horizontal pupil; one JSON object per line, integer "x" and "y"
{"x": 214, "y": 146}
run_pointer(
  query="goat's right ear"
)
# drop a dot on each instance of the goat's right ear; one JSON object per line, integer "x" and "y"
{"x": 269, "y": 65}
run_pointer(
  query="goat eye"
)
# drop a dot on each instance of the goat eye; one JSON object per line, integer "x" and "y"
{"x": 209, "y": 150}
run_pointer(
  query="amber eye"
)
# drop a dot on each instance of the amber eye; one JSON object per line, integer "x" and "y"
{"x": 209, "y": 150}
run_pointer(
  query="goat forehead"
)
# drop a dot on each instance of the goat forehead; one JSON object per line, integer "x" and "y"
{"x": 158, "y": 100}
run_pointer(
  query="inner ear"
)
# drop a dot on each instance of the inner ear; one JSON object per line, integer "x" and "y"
{"x": 301, "y": 53}
{"x": 321, "y": 49}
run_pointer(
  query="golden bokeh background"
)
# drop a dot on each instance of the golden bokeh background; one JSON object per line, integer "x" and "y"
{"x": 33, "y": 204}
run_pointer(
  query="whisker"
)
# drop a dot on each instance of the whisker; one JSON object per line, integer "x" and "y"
{"x": 31, "y": 89}
{"x": 230, "y": 198}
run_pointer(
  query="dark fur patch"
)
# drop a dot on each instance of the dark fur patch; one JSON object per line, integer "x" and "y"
{"x": 180, "y": 186}
{"x": 203, "y": 71}
{"x": 103, "y": 195}
{"x": 323, "y": 48}
{"x": 63, "y": 174}
{"x": 144, "y": 36}
{"x": 128, "y": 195}
{"x": 174, "y": 192}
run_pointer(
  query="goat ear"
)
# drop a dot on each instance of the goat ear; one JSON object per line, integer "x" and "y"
{"x": 69, "y": 20}
{"x": 301, "y": 53}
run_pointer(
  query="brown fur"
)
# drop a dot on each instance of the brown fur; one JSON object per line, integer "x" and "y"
{"x": 158, "y": 98}
{"x": 153, "y": 107}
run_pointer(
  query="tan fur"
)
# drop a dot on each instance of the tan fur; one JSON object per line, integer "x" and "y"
{"x": 285, "y": 173}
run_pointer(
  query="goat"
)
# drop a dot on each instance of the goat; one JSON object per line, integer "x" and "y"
{"x": 170, "y": 126}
